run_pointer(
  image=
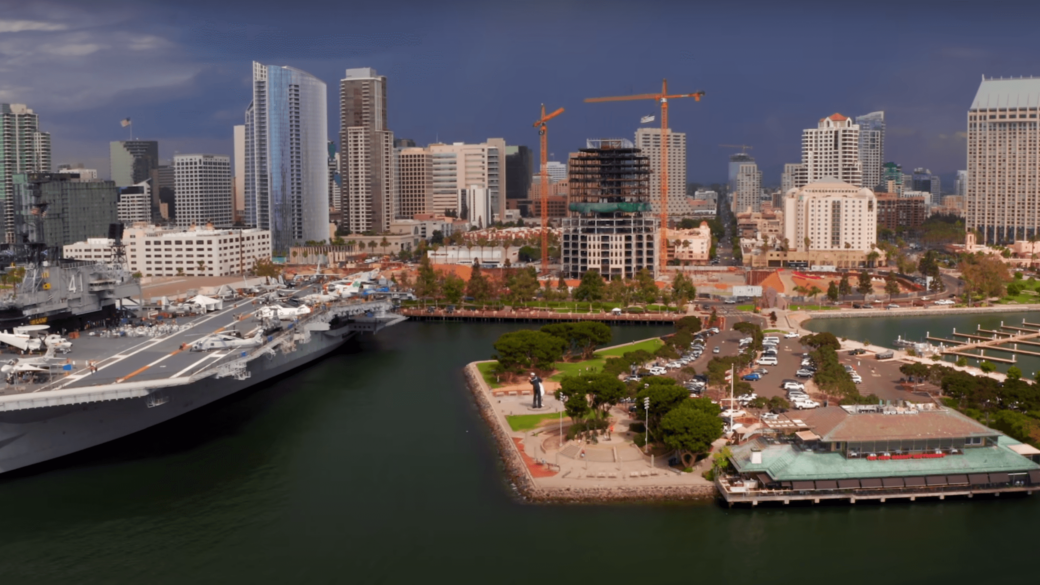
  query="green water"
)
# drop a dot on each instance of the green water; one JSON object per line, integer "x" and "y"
{"x": 374, "y": 467}
{"x": 883, "y": 330}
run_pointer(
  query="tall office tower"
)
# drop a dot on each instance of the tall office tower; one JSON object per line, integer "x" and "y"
{"x": 788, "y": 177}
{"x": 238, "y": 180}
{"x": 892, "y": 178}
{"x": 166, "y": 198}
{"x": 748, "y": 195}
{"x": 871, "y": 147}
{"x": 460, "y": 166}
{"x": 557, "y": 171}
{"x": 735, "y": 160}
{"x": 414, "y": 182}
{"x": 404, "y": 143}
{"x": 203, "y": 190}
{"x": 648, "y": 140}
{"x": 610, "y": 229}
{"x": 961, "y": 186}
{"x": 134, "y": 161}
{"x": 135, "y": 204}
{"x": 25, "y": 149}
{"x": 831, "y": 150}
{"x": 498, "y": 177}
{"x": 1003, "y": 194}
{"x": 519, "y": 168}
{"x": 367, "y": 152}
{"x": 77, "y": 209}
{"x": 335, "y": 194}
{"x": 921, "y": 180}
{"x": 287, "y": 139}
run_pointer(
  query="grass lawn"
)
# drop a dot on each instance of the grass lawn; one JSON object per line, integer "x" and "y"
{"x": 526, "y": 422}
{"x": 597, "y": 362}
{"x": 745, "y": 307}
{"x": 485, "y": 370}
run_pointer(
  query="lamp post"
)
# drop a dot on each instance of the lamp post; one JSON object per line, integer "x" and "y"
{"x": 646, "y": 425}
{"x": 563, "y": 401}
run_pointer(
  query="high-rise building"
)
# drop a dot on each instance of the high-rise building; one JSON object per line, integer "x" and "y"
{"x": 335, "y": 180}
{"x": 238, "y": 180}
{"x": 367, "y": 152}
{"x": 135, "y": 203}
{"x": 79, "y": 170}
{"x": 133, "y": 161}
{"x": 961, "y": 185}
{"x": 414, "y": 183}
{"x": 519, "y": 168}
{"x": 498, "y": 178}
{"x": 871, "y": 147}
{"x": 203, "y": 190}
{"x": 831, "y": 216}
{"x": 459, "y": 166}
{"x": 404, "y": 143}
{"x": 892, "y": 178}
{"x": 557, "y": 170}
{"x": 831, "y": 150}
{"x": 921, "y": 180}
{"x": 648, "y": 140}
{"x": 748, "y": 193}
{"x": 287, "y": 156}
{"x": 166, "y": 198}
{"x": 77, "y": 209}
{"x": 610, "y": 228}
{"x": 789, "y": 177}
{"x": 25, "y": 150}
{"x": 735, "y": 160}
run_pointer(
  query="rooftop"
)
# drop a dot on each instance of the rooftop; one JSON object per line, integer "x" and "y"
{"x": 1023, "y": 92}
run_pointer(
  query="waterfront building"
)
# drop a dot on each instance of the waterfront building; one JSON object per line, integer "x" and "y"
{"x": 864, "y": 452}
{"x": 648, "y": 140}
{"x": 77, "y": 209}
{"x": 897, "y": 213}
{"x": 829, "y": 222}
{"x": 871, "y": 147}
{"x": 610, "y": 228}
{"x": 287, "y": 156}
{"x": 203, "y": 188}
{"x": 1003, "y": 186}
{"x": 497, "y": 181}
{"x": 367, "y": 145}
{"x": 25, "y": 149}
{"x": 414, "y": 182}
{"x": 460, "y": 166}
{"x": 135, "y": 203}
{"x": 202, "y": 251}
{"x": 831, "y": 150}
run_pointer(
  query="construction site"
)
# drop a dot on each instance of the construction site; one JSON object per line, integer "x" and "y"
{"x": 611, "y": 229}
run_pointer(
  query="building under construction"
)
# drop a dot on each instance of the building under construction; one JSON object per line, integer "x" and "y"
{"x": 610, "y": 228}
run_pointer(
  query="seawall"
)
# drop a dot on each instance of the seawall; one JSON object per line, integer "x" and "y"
{"x": 930, "y": 312}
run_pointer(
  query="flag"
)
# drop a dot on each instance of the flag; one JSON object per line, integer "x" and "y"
{"x": 643, "y": 120}
{"x": 125, "y": 122}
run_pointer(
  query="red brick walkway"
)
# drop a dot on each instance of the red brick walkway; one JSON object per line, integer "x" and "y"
{"x": 537, "y": 469}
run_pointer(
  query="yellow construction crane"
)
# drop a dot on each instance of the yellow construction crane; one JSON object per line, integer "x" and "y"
{"x": 663, "y": 98}
{"x": 543, "y": 132}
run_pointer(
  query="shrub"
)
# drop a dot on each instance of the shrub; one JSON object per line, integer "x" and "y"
{"x": 962, "y": 362}
{"x": 988, "y": 366}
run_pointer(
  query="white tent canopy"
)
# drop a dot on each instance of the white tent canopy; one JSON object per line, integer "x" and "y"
{"x": 207, "y": 303}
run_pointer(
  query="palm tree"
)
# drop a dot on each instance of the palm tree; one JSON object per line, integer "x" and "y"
{"x": 372, "y": 245}
{"x": 813, "y": 292}
{"x": 383, "y": 244}
{"x": 808, "y": 242}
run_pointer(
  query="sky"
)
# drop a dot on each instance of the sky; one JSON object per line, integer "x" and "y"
{"x": 464, "y": 71}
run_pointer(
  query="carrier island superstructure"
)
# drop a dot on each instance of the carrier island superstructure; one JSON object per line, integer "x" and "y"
{"x": 111, "y": 385}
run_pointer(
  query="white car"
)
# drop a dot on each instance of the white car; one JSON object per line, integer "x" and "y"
{"x": 674, "y": 365}
{"x": 770, "y": 416}
{"x": 793, "y": 386}
{"x": 790, "y": 335}
{"x": 805, "y": 404}
{"x": 945, "y": 302}
{"x": 857, "y": 379}
{"x": 770, "y": 340}
{"x": 766, "y": 361}
{"x": 729, "y": 412}
{"x": 658, "y": 371}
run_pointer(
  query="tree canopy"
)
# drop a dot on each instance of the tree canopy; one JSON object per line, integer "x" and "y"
{"x": 592, "y": 287}
{"x": 528, "y": 350}
{"x": 691, "y": 428}
{"x": 581, "y": 337}
{"x": 601, "y": 390}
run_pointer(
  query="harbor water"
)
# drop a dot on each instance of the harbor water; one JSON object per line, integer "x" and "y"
{"x": 373, "y": 466}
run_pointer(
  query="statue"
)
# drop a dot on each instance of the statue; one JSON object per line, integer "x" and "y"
{"x": 537, "y": 390}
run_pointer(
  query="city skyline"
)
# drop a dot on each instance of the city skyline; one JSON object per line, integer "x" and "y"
{"x": 185, "y": 82}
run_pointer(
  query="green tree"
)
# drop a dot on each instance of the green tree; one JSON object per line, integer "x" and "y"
{"x": 844, "y": 287}
{"x": 891, "y": 285}
{"x": 581, "y": 337}
{"x": 987, "y": 366}
{"x": 690, "y": 429}
{"x": 452, "y": 287}
{"x": 832, "y": 292}
{"x": 1014, "y": 373}
{"x": 865, "y": 286}
{"x": 426, "y": 283}
{"x": 523, "y": 285}
{"x": 648, "y": 291}
{"x": 478, "y": 286}
{"x": 814, "y": 291}
{"x": 691, "y": 323}
{"x": 592, "y": 287}
{"x": 266, "y": 269}
{"x": 600, "y": 389}
{"x": 528, "y": 350}
{"x": 683, "y": 290}
{"x": 665, "y": 394}
{"x": 562, "y": 289}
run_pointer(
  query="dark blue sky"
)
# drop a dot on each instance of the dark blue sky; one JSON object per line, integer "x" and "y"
{"x": 465, "y": 71}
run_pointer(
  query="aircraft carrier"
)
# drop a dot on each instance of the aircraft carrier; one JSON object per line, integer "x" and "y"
{"x": 112, "y": 383}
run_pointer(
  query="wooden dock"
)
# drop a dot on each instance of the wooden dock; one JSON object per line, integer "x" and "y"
{"x": 980, "y": 356}
{"x": 532, "y": 316}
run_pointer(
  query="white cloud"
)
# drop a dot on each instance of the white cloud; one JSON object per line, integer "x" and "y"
{"x": 14, "y": 26}
{"x": 72, "y": 49}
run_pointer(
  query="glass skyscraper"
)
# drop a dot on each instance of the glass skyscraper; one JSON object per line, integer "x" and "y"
{"x": 287, "y": 182}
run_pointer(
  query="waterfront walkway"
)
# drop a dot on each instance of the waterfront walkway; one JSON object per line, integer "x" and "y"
{"x": 538, "y": 315}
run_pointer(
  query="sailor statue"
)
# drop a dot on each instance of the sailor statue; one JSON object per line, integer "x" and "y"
{"x": 537, "y": 390}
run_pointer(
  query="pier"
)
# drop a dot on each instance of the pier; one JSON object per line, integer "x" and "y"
{"x": 536, "y": 316}
{"x": 998, "y": 342}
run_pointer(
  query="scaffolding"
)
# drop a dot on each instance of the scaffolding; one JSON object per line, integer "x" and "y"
{"x": 612, "y": 177}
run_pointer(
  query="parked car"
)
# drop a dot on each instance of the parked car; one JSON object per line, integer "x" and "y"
{"x": 858, "y": 351}
{"x": 752, "y": 377}
{"x": 791, "y": 385}
{"x": 729, "y": 412}
{"x": 766, "y": 361}
{"x": 857, "y": 379}
{"x": 790, "y": 335}
{"x": 892, "y": 306}
{"x": 716, "y": 349}
{"x": 803, "y": 373}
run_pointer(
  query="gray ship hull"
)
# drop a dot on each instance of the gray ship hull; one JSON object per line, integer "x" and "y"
{"x": 35, "y": 435}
